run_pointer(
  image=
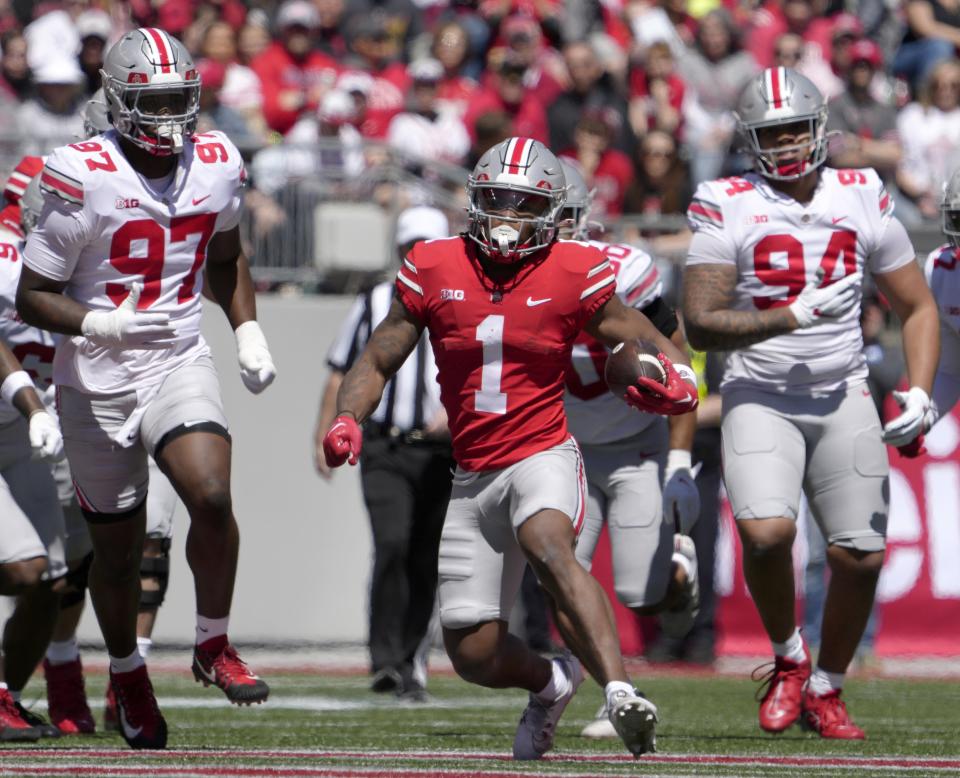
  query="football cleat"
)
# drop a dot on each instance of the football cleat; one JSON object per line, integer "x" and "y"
{"x": 13, "y": 727}
{"x": 111, "y": 720}
{"x": 827, "y": 715}
{"x": 635, "y": 719}
{"x": 601, "y": 726}
{"x": 678, "y": 621}
{"x": 67, "y": 698}
{"x": 44, "y": 727}
{"x": 538, "y": 724}
{"x": 141, "y": 723}
{"x": 227, "y": 671}
{"x": 781, "y": 692}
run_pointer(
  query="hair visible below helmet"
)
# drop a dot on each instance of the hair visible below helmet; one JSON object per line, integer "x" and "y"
{"x": 140, "y": 70}
{"x": 950, "y": 209}
{"x": 30, "y": 205}
{"x": 519, "y": 176}
{"x": 777, "y": 97}
{"x": 96, "y": 117}
{"x": 576, "y": 211}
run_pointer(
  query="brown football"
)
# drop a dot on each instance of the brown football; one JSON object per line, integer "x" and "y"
{"x": 629, "y": 361}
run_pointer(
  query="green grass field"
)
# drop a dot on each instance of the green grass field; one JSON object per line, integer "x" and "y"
{"x": 316, "y": 725}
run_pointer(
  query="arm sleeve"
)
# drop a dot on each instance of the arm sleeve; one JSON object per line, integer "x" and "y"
{"x": 894, "y": 249}
{"x": 408, "y": 288}
{"x": 53, "y": 248}
{"x": 664, "y": 318}
{"x": 343, "y": 351}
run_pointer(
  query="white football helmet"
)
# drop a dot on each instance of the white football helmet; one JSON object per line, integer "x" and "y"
{"x": 520, "y": 185}
{"x": 950, "y": 209}
{"x": 574, "y": 219}
{"x": 30, "y": 205}
{"x": 96, "y": 118}
{"x": 152, "y": 90}
{"x": 776, "y": 98}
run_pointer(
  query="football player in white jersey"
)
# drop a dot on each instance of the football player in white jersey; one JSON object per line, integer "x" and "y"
{"x": 774, "y": 276}
{"x": 131, "y": 221}
{"x": 628, "y": 454}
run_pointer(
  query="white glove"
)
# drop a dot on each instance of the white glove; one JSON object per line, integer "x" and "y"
{"x": 815, "y": 303}
{"x": 681, "y": 498}
{"x": 45, "y": 438}
{"x": 903, "y": 429}
{"x": 126, "y": 326}
{"x": 256, "y": 365}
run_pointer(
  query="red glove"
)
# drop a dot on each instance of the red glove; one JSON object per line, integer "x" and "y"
{"x": 344, "y": 439}
{"x": 913, "y": 449}
{"x": 678, "y": 396}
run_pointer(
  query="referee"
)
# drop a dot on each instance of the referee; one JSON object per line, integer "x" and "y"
{"x": 405, "y": 471}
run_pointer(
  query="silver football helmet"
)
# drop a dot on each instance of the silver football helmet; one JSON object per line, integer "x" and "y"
{"x": 30, "y": 205}
{"x": 776, "y": 98}
{"x": 574, "y": 219}
{"x": 96, "y": 118}
{"x": 515, "y": 195}
{"x": 152, "y": 90}
{"x": 950, "y": 209}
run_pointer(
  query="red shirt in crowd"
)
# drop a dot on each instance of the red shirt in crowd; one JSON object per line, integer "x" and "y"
{"x": 611, "y": 178}
{"x": 529, "y": 117}
{"x": 280, "y": 74}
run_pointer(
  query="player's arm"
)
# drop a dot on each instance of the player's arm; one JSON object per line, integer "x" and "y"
{"x": 615, "y": 322}
{"x": 41, "y": 303}
{"x": 681, "y": 498}
{"x": 16, "y": 388}
{"x": 230, "y": 284}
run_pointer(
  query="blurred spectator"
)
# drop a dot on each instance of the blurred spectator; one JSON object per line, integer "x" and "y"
{"x": 490, "y": 129}
{"x": 591, "y": 87}
{"x": 292, "y": 74}
{"x": 932, "y": 35}
{"x": 868, "y": 128}
{"x": 95, "y": 30}
{"x": 55, "y": 116}
{"x": 506, "y": 94}
{"x": 426, "y": 130}
{"x": 546, "y": 74}
{"x": 241, "y": 90}
{"x": 656, "y": 93}
{"x": 606, "y": 169}
{"x": 252, "y": 41}
{"x": 930, "y": 133}
{"x": 828, "y": 69}
{"x": 330, "y": 37}
{"x": 788, "y": 50}
{"x": 214, "y": 115}
{"x": 53, "y": 34}
{"x": 660, "y": 20}
{"x": 716, "y": 69}
{"x": 451, "y": 48}
{"x": 801, "y": 17}
{"x": 187, "y": 19}
{"x": 15, "y": 80}
{"x": 400, "y": 20}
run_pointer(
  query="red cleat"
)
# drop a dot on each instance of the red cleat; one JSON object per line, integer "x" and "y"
{"x": 111, "y": 721}
{"x": 67, "y": 698}
{"x": 13, "y": 727}
{"x": 222, "y": 667}
{"x": 782, "y": 690}
{"x": 827, "y": 715}
{"x": 141, "y": 722}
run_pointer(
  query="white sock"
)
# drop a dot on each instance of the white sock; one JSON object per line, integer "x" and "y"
{"x": 791, "y": 648}
{"x": 63, "y": 651}
{"x": 612, "y": 688}
{"x": 685, "y": 564}
{"x": 210, "y": 628}
{"x": 822, "y": 682}
{"x": 126, "y": 664}
{"x": 143, "y": 647}
{"x": 558, "y": 685}
{"x": 16, "y": 694}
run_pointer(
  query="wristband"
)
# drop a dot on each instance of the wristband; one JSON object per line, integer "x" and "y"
{"x": 13, "y": 383}
{"x": 679, "y": 459}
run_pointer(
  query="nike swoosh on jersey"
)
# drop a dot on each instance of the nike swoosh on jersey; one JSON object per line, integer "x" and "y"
{"x": 837, "y": 219}
{"x": 198, "y": 200}
{"x": 534, "y": 303}
{"x": 128, "y": 731}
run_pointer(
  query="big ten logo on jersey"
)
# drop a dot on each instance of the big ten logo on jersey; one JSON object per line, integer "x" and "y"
{"x": 127, "y": 202}
{"x": 452, "y": 294}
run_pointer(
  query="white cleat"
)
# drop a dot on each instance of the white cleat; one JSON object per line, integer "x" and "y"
{"x": 635, "y": 718}
{"x": 678, "y": 621}
{"x": 538, "y": 724}
{"x": 601, "y": 726}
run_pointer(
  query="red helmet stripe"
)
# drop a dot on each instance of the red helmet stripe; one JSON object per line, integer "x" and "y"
{"x": 776, "y": 75}
{"x": 520, "y": 150}
{"x": 162, "y": 46}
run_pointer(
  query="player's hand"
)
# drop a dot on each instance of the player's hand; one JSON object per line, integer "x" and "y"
{"x": 45, "y": 438}
{"x": 256, "y": 365}
{"x": 681, "y": 498}
{"x": 816, "y": 302}
{"x": 676, "y": 397}
{"x": 344, "y": 439}
{"x": 126, "y": 326}
{"x": 910, "y": 423}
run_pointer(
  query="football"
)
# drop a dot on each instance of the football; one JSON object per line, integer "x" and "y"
{"x": 629, "y": 361}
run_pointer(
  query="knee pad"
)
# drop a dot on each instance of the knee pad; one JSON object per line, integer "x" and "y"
{"x": 158, "y": 568}
{"x": 76, "y": 583}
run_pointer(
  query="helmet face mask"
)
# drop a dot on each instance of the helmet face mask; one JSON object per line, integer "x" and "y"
{"x": 152, "y": 90}
{"x": 950, "y": 210}
{"x": 515, "y": 195}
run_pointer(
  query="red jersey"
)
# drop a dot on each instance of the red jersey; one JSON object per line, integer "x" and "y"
{"x": 502, "y": 355}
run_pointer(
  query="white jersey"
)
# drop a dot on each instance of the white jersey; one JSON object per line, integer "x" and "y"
{"x": 594, "y": 415}
{"x": 33, "y": 347}
{"x": 105, "y": 227}
{"x": 777, "y": 245}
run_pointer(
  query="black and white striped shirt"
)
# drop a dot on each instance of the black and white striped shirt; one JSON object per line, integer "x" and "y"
{"x": 411, "y": 399}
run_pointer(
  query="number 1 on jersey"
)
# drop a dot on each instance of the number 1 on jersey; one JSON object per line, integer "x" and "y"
{"x": 490, "y": 399}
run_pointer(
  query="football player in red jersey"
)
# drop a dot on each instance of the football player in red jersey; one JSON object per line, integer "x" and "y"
{"x": 503, "y": 304}
{"x": 131, "y": 220}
